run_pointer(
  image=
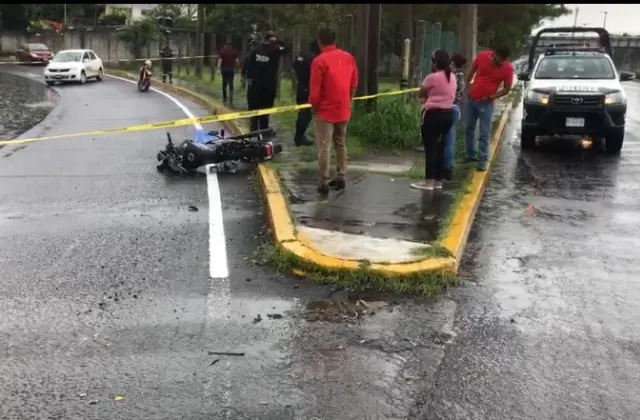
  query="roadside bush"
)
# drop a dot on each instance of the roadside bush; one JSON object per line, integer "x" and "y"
{"x": 394, "y": 125}
{"x": 140, "y": 34}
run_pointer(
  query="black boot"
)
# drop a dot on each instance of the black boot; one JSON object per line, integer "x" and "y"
{"x": 304, "y": 141}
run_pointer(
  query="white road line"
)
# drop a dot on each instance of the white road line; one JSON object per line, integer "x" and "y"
{"x": 218, "y": 265}
{"x": 219, "y": 296}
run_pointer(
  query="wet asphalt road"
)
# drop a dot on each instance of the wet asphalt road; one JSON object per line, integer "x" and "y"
{"x": 104, "y": 292}
{"x": 547, "y": 326}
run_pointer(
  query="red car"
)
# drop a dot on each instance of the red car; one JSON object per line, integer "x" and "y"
{"x": 33, "y": 53}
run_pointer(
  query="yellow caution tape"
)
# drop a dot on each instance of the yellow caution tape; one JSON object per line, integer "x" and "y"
{"x": 123, "y": 60}
{"x": 202, "y": 120}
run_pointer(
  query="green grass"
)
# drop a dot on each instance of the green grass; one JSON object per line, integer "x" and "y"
{"x": 426, "y": 284}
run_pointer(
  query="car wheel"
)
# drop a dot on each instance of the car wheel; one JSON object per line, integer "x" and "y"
{"x": 613, "y": 141}
{"x": 100, "y": 75}
{"x": 83, "y": 77}
{"x": 527, "y": 139}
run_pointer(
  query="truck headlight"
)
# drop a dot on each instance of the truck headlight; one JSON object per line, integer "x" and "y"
{"x": 537, "y": 97}
{"x": 615, "y": 98}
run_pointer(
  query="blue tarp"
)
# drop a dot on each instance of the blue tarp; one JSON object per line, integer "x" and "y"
{"x": 203, "y": 137}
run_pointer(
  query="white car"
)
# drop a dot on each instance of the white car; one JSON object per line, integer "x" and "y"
{"x": 73, "y": 66}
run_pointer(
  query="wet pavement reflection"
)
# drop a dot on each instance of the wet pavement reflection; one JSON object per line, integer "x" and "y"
{"x": 373, "y": 204}
{"x": 107, "y": 310}
{"x": 546, "y": 326}
{"x": 23, "y": 104}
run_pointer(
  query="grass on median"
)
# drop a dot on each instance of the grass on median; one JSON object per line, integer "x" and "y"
{"x": 425, "y": 284}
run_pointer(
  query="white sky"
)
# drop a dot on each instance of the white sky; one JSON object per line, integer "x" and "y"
{"x": 620, "y": 17}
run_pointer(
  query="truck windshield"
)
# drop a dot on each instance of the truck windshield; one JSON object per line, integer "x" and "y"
{"x": 575, "y": 67}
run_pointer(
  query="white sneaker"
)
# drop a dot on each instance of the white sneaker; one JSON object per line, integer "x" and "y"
{"x": 425, "y": 185}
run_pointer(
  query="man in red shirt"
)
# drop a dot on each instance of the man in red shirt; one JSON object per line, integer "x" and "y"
{"x": 333, "y": 82}
{"x": 228, "y": 63}
{"x": 489, "y": 70}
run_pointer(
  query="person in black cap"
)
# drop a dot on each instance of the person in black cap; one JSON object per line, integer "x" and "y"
{"x": 261, "y": 72}
{"x": 302, "y": 67}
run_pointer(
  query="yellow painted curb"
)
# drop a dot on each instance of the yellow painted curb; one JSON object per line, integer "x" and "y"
{"x": 464, "y": 216}
{"x": 287, "y": 238}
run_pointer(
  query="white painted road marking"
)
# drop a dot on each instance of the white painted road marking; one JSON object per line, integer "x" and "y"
{"x": 219, "y": 296}
{"x": 218, "y": 265}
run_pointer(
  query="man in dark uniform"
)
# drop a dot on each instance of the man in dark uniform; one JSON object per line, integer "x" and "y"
{"x": 167, "y": 63}
{"x": 261, "y": 72}
{"x": 302, "y": 67}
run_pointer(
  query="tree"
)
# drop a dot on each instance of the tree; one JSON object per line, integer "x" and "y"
{"x": 140, "y": 34}
{"x": 511, "y": 24}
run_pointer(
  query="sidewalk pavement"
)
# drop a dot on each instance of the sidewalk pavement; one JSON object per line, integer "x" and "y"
{"x": 378, "y": 217}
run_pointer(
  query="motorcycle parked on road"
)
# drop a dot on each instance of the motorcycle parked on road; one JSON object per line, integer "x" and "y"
{"x": 144, "y": 79}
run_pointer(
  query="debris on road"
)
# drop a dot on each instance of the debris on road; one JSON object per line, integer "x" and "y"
{"x": 225, "y": 353}
{"x": 193, "y": 208}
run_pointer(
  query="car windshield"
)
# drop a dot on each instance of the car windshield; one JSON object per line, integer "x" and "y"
{"x": 67, "y": 56}
{"x": 575, "y": 67}
{"x": 38, "y": 47}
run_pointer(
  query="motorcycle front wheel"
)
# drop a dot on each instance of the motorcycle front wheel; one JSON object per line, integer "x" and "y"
{"x": 144, "y": 85}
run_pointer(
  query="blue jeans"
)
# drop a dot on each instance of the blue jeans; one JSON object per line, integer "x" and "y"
{"x": 450, "y": 140}
{"x": 482, "y": 111}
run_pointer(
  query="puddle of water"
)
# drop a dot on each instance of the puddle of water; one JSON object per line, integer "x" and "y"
{"x": 24, "y": 103}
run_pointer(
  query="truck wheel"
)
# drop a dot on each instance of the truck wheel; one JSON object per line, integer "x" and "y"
{"x": 527, "y": 139}
{"x": 613, "y": 141}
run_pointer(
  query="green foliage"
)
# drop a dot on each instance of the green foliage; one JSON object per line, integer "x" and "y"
{"x": 178, "y": 12}
{"x": 511, "y": 24}
{"x": 140, "y": 34}
{"x": 394, "y": 125}
{"x": 114, "y": 17}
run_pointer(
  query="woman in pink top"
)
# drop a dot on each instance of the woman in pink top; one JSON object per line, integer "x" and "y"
{"x": 438, "y": 92}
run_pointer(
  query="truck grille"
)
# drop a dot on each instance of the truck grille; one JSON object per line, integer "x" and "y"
{"x": 578, "y": 101}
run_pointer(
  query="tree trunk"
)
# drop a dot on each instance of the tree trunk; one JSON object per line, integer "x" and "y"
{"x": 199, "y": 39}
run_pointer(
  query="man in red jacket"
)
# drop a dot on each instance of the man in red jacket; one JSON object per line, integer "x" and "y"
{"x": 489, "y": 70}
{"x": 333, "y": 82}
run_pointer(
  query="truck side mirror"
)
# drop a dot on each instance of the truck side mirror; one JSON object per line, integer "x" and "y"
{"x": 626, "y": 76}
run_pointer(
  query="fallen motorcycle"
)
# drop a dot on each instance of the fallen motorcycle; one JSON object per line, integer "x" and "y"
{"x": 213, "y": 148}
{"x": 144, "y": 80}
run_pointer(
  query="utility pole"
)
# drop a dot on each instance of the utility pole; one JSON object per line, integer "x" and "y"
{"x": 362, "y": 37}
{"x": 199, "y": 39}
{"x": 604, "y": 24}
{"x": 468, "y": 38}
{"x": 375, "y": 16}
{"x": 64, "y": 12}
{"x": 407, "y": 31}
